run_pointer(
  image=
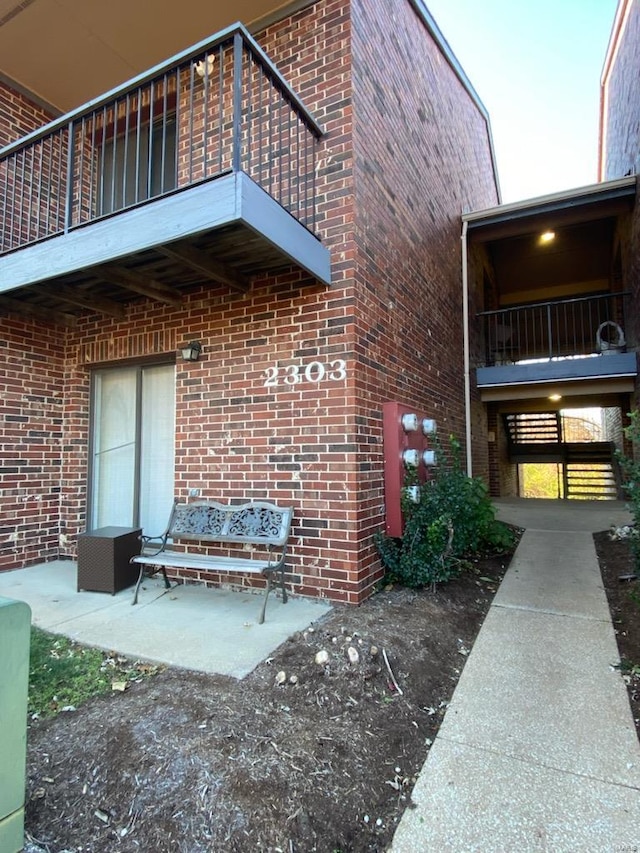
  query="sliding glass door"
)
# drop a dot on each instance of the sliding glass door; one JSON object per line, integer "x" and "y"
{"x": 132, "y": 447}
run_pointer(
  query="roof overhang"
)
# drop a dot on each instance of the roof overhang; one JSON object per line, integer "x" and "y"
{"x": 63, "y": 53}
{"x": 588, "y": 203}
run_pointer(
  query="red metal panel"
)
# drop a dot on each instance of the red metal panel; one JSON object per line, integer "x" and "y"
{"x": 396, "y": 441}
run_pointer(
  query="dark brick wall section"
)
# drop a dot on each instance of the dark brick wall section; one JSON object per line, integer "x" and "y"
{"x": 620, "y": 147}
{"x": 622, "y": 103}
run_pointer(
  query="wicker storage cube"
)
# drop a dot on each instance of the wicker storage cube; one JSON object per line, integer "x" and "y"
{"x": 103, "y": 558}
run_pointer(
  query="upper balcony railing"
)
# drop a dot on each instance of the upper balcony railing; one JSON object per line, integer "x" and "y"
{"x": 219, "y": 107}
{"x": 547, "y": 330}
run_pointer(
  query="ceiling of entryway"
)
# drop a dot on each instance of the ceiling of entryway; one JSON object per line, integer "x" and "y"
{"x": 67, "y": 52}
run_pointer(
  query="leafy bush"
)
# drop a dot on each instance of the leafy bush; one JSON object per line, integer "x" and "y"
{"x": 453, "y": 520}
{"x": 631, "y": 472}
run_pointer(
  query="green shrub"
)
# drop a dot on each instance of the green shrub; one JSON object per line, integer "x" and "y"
{"x": 631, "y": 484}
{"x": 453, "y": 520}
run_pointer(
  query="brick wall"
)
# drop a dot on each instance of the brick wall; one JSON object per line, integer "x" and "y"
{"x": 31, "y": 359}
{"x": 18, "y": 115}
{"x": 286, "y": 401}
{"x": 422, "y": 157}
{"x": 31, "y": 383}
{"x": 621, "y": 102}
{"x": 503, "y": 475}
{"x": 620, "y": 146}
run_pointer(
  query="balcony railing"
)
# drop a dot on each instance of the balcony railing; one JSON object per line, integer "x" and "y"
{"x": 549, "y": 330}
{"x": 219, "y": 107}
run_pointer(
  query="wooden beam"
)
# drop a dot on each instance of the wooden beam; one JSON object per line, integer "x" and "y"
{"x": 36, "y": 312}
{"x": 131, "y": 280}
{"x": 95, "y": 303}
{"x": 203, "y": 263}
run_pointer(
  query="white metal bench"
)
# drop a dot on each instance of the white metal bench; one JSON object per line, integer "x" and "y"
{"x": 262, "y": 525}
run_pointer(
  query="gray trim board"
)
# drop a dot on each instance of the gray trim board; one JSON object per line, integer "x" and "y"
{"x": 608, "y": 366}
{"x": 194, "y": 210}
{"x": 264, "y": 216}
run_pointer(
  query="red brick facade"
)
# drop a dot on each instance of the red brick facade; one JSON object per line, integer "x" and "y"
{"x": 620, "y": 138}
{"x": 406, "y": 151}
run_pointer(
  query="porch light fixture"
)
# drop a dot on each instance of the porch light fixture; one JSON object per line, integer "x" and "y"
{"x": 204, "y": 68}
{"x": 555, "y": 397}
{"x": 547, "y": 237}
{"x": 191, "y": 351}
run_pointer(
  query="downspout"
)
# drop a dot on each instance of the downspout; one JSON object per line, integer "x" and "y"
{"x": 465, "y": 340}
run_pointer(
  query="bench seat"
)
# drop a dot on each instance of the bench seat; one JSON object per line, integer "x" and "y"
{"x": 205, "y": 562}
{"x": 259, "y": 527}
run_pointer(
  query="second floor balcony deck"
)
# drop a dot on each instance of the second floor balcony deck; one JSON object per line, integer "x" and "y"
{"x": 564, "y": 340}
{"x": 204, "y": 166}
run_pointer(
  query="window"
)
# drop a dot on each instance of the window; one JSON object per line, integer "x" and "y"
{"x": 136, "y": 164}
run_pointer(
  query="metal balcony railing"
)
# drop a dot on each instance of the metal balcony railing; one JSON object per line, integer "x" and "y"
{"x": 548, "y": 330}
{"x": 219, "y": 107}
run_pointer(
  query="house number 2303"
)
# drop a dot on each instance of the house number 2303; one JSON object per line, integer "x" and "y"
{"x": 315, "y": 371}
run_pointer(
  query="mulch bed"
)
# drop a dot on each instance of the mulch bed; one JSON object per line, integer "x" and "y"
{"x": 298, "y": 757}
{"x": 623, "y": 594}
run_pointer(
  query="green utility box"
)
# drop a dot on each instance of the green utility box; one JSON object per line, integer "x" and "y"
{"x": 15, "y": 636}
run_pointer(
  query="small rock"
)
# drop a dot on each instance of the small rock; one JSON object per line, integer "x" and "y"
{"x": 281, "y": 677}
{"x": 353, "y": 655}
{"x": 322, "y": 657}
{"x": 374, "y": 651}
{"x": 293, "y": 679}
{"x": 366, "y": 818}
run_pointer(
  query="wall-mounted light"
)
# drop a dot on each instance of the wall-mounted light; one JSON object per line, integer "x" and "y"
{"x": 555, "y": 397}
{"x": 205, "y": 66}
{"x": 191, "y": 351}
{"x": 410, "y": 422}
{"x": 546, "y": 237}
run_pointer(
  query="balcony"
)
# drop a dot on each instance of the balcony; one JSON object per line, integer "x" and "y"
{"x": 202, "y": 169}
{"x": 563, "y": 341}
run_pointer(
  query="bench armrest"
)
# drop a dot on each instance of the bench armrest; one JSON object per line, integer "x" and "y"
{"x": 161, "y": 540}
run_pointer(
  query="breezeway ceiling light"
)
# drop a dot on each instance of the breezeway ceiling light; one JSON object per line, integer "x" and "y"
{"x": 555, "y": 397}
{"x": 191, "y": 351}
{"x": 546, "y": 237}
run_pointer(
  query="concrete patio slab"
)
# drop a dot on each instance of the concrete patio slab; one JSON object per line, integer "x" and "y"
{"x": 189, "y": 626}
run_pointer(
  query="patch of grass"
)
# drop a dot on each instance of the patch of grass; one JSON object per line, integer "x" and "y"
{"x": 63, "y": 674}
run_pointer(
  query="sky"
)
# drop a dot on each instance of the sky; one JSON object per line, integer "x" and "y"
{"x": 536, "y": 65}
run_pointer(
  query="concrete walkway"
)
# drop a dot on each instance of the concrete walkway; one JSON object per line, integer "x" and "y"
{"x": 538, "y": 750}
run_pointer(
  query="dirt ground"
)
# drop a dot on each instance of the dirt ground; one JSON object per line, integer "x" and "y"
{"x": 300, "y": 756}
{"x": 623, "y": 594}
